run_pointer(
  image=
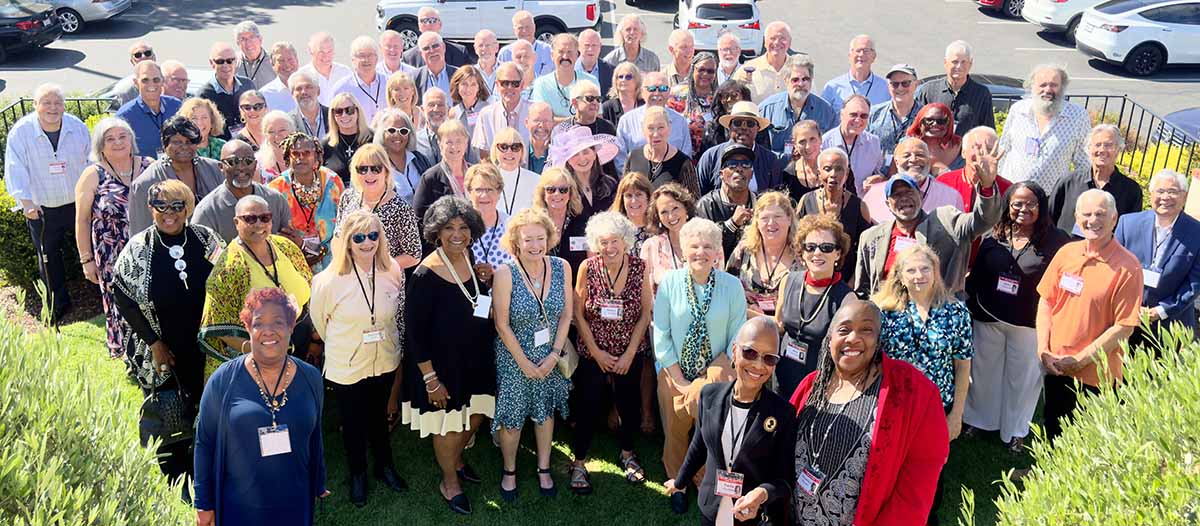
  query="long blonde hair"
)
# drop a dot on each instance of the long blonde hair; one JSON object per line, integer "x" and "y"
{"x": 893, "y": 295}
{"x": 752, "y": 240}
{"x": 363, "y": 133}
{"x": 360, "y": 221}
{"x": 549, "y": 176}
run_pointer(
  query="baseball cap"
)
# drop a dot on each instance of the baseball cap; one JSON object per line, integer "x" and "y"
{"x": 902, "y": 68}
{"x": 898, "y": 178}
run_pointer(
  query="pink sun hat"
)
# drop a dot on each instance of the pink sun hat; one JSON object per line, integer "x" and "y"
{"x": 575, "y": 139}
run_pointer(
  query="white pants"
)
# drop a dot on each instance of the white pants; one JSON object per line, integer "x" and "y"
{"x": 1006, "y": 379}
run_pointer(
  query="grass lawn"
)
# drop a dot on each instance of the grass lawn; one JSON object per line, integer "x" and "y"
{"x": 974, "y": 463}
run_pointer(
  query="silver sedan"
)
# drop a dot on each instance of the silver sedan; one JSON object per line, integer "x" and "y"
{"x": 76, "y": 13}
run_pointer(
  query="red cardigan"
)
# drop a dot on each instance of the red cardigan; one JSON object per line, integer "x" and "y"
{"x": 909, "y": 446}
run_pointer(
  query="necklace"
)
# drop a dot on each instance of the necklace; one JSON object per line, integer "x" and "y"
{"x": 176, "y": 253}
{"x": 458, "y": 281}
{"x": 307, "y": 194}
{"x": 275, "y": 400}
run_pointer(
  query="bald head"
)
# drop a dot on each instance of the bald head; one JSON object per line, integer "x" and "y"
{"x": 759, "y": 329}
{"x": 251, "y": 204}
{"x": 236, "y": 148}
{"x": 913, "y": 158}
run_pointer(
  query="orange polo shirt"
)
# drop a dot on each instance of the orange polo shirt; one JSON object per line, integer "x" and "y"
{"x": 1111, "y": 294}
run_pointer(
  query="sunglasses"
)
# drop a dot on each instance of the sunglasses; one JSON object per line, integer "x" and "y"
{"x": 743, "y": 123}
{"x": 935, "y": 120}
{"x": 826, "y": 248}
{"x": 251, "y": 219}
{"x": 402, "y": 131}
{"x": 509, "y": 83}
{"x": 769, "y": 360}
{"x": 148, "y": 53}
{"x": 625, "y": 76}
{"x": 658, "y": 89}
{"x": 234, "y": 162}
{"x": 558, "y": 190}
{"x": 737, "y": 164}
{"x": 257, "y": 106}
{"x": 588, "y": 98}
{"x": 163, "y": 207}
{"x": 511, "y": 147}
{"x": 364, "y": 169}
{"x": 360, "y": 237}
{"x": 348, "y": 110}
{"x": 224, "y": 61}
{"x": 901, "y": 83}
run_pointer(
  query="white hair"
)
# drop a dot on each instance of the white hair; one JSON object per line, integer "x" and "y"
{"x": 609, "y": 224}
{"x": 836, "y": 151}
{"x": 277, "y": 115}
{"x": 1062, "y": 75}
{"x": 429, "y": 36}
{"x": 46, "y": 89}
{"x": 246, "y": 26}
{"x": 631, "y": 19}
{"x": 703, "y": 229}
{"x": 171, "y": 64}
{"x": 727, "y": 34}
{"x": 778, "y": 25}
{"x": 582, "y": 87}
{"x": 1169, "y": 174}
{"x": 1110, "y": 203}
{"x": 302, "y": 75}
{"x": 979, "y": 133}
{"x": 1108, "y": 128}
{"x": 800, "y": 60}
{"x": 678, "y": 36}
{"x": 363, "y": 42}
{"x": 960, "y": 46}
{"x": 102, "y": 128}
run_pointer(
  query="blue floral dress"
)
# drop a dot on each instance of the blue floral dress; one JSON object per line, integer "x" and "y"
{"x": 930, "y": 345}
{"x": 518, "y": 396}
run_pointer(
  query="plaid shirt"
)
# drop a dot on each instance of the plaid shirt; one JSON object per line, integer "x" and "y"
{"x": 29, "y": 157}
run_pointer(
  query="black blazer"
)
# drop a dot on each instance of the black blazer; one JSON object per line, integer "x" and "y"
{"x": 434, "y": 184}
{"x": 606, "y": 73}
{"x": 767, "y": 459}
{"x": 422, "y": 79}
{"x": 456, "y": 55}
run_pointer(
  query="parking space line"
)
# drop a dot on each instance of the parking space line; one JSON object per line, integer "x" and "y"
{"x": 1106, "y": 79}
{"x": 1044, "y": 49}
{"x": 1002, "y": 22}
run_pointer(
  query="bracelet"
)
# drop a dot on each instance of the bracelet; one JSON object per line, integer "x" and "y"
{"x": 434, "y": 390}
{"x": 86, "y": 261}
{"x": 429, "y": 375}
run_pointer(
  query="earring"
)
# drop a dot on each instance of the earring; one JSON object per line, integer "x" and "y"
{"x": 244, "y": 344}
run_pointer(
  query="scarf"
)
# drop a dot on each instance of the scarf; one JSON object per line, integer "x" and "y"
{"x": 697, "y": 349}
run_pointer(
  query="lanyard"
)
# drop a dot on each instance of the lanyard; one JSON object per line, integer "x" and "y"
{"x": 612, "y": 282}
{"x": 674, "y": 258}
{"x": 870, "y": 82}
{"x": 458, "y": 281}
{"x": 375, "y": 99}
{"x": 541, "y": 287}
{"x": 510, "y": 203}
{"x": 371, "y": 303}
{"x": 272, "y": 397}
{"x": 807, "y": 319}
{"x": 737, "y": 430}
{"x": 273, "y": 276}
{"x": 308, "y": 212}
{"x": 771, "y": 268}
{"x": 258, "y": 65}
{"x": 485, "y": 244}
{"x": 155, "y": 118}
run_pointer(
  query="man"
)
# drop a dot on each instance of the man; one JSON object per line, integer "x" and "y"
{"x": 914, "y": 160}
{"x": 226, "y": 87}
{"x": 366, "y": 85}
{"x": 285, "y": 63}
{"x": 540, "y": 123}
{"x": 175, "y": 79}
{"x": 681, "y": 45}
{"x": 46, "y": 152}
{"x": 486, "y": 49}
{"x": 253, "y": 62}
{"x": 1045, "y": 136}
{"x": 947, "y": 231}
{"x": 125, "y": 90}
{"x": 732, "y": 204}
{"x": 523, "y": 28}
{"x": 629, "y": 128}
{"x": 240, "y": 168}
{"x": 391, "y": 46}
{"x": 1166, "y": 243}
{"x": 310, "y": 116}
{"x": 510, "y": 111}
{"x": 585, "y": 110}
{"x": 434, "y": 108}
{"x": 729, "y": 56}
{"x": 977, "y": 142}
{"x": 436, "y": 72}
{"x": 970, "y": 101}
{"x": 742, "y": 124}
{"x": 890, "y": 120}
{"x": 630, "y": 37}
{"x": 147, "y": 113}
{"x": 1104, "y": 145}
{"x": 553, "y": 88}
{"x": 524, "y": 56}
{"x": 323, "y": 68}
{"x": 1091, "y": 296}
{"x": 589, "y": 60}
{"x": 430, "y": 21}
{"x": 798, "y": 103}
{"x": 765, "y": 75}
{"x": 866, "y": 158}
{"x": 860, "y": 80}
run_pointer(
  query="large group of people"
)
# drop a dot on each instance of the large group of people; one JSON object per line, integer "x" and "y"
{"x": 791, "y": 283}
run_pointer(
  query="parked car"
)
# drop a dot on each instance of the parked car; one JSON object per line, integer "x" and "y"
{"x": 1004, "y": 90}
{"x": 462, "y": 19}
{"x": 1009, "y": 8}
{"x": 76, "y": 13}
{"x": 707, "y": 19}
{"x": 1143, "y": 36}
{"x": 1057, "y": 16}
{"x": 1187, "y": 126}
{"x": 26, "y": 25}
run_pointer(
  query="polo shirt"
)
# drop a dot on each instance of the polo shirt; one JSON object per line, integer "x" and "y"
{"x": 842, "y": 87}
{"x": 778, "y": 109}
{"x": 146, "y": 125}
{"x": 547, "y": 89}
{"x": 763, "y": 80}
{"x": 544, "y": 62}
{"x": 1111, "y": 295}
{"x": 645, "y": 60}
{"x": 370, "y": 97}
{"x": 278, "y": 96}
{"x": 972, "y": 104}
{"x": 227, "y": 101}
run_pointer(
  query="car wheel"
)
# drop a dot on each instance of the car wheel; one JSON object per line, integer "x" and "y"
{"x": 675, "y": 22}
{"x": 71, "y": 21}
{"x": 1072, "y": 26}
{"x": 408, "y": 32}
{"x": 1012, "y": 8}
{"x": 1145, "y": 60}
{"x": 545, "y": 31}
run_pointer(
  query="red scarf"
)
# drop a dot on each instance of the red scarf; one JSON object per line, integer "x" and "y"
{"x": 809, "y": 280}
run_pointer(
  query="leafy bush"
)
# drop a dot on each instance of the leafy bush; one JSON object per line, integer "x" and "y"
{"x": 71, "y": 453}
{"x": 18, "y": 259}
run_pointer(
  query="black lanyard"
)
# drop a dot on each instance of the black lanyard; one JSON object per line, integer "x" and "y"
{"x": 370, "y": 301}
{"x": 246, "y": 72}
{"x": 870, "y": 82}
{"x": 375, "y": 99}
{"x": 770, "y": 285}
{"x": 155, "y": 118}
{"x": 270, "y": 397}
{"x": 273, "y": 276}
{"x": 612, "y": 282}
{"x": 738, "y": 434}
{"x": 509, "y": 204}
{"x": 308, "y": 213}
{"x": 541, "y": 289}
{"x": 485, "y": 244}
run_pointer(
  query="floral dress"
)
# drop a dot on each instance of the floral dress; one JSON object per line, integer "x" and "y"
{"x": 518, "y": 396}
{"x": 612, "y": 336}
{"x": 930, "y": 345}
{"x": 110, "y": 231}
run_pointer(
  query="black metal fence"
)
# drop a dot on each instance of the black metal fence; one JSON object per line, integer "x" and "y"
{"x": 79, "y": 107}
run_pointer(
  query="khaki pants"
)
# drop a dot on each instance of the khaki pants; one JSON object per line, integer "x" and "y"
{"x": 679, "y": 409}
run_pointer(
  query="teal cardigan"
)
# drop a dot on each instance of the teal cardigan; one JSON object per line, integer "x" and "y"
{"x": 672, "y": 315}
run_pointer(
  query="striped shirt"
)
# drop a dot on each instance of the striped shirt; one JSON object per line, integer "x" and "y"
{"x": 35, "y": 170}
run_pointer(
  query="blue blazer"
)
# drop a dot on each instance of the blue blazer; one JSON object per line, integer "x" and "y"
{"x": 1179, "y": 282}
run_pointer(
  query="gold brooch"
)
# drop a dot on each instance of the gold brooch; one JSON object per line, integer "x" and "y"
{"x": 769, "y": 424}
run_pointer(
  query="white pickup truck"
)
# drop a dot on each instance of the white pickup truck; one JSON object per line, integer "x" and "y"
{"x": 461, "y": 19}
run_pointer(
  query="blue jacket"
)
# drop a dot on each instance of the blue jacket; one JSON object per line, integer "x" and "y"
{"x": 1179, "y": 268}
{"x": 768, "y": 169}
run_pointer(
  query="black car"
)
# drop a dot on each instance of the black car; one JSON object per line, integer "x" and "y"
{"x": 1005, "y": 90}
{"x": 26, "y": 25}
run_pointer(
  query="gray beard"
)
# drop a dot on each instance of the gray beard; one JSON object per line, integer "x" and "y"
{"x": 1043, "y": 107}
{"x": 247, "y": 184}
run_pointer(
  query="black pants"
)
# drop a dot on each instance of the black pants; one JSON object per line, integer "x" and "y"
{"x": 1061, "y": 399}
{"x": 52, "y": 231}
{"x": 177, "y": 459}
{"x": 592, "y": 386}
{"x": 363, "y": 406}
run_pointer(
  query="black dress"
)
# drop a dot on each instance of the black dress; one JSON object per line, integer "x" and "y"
{"x": 678, "y": 169}
{"x": 612, "y": 111}
{"x": 801, "y": 346}
{"x": 337, "y": 158}
{"x": 795, "y": 188}
{"x": 851, "y": 218}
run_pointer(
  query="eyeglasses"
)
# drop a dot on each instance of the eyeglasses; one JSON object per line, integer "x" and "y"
{"x": 483, "y": 191}
{"x": 929, "y": 121}
{"x": 429, "y": 20}
{"x": 854, "y": 115}
{"x": 185, "y": 142}
{"x": 300, "y": 154}
{"x": 658, "y": 89}
{"x": 348, "y": 110}
{"x": 402, "y": 131}
{"x": 743, "y": 123}
{"x": 431, "y": 47}
{"x": 588, "y": 98}
{"x": 251, "y": 219}
{"x": 768, "y": 359}
{"x": 163, "y": 207}
{"x": 224, "y": 61}
{"x": 147, "y": 53}
{"x": 738, "y": 164}
{"x": 558, "y": 190}
{"x": 625, "y": 76}
{"x": 257, "y": 106}
{"x": 1023, "y": 205}
{"x": 511, "y": 147}
{"x": 233, "y": 162}
{"x": 364, "y": 169}
{"x": 360, "y": 237}
{"x": 825, "y": 248}
{"x": 1166, "y": 192}
{"x": 509, "y": 83}
{"x": 901, "y": 83}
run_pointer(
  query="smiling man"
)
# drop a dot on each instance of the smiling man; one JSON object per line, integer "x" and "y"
{"x": 524, "y": 29}
{"x": 731, "y": 205}
{"x": 285, "y": 63}
{"x": 890, "y": 120}
{"x": 1045, "y": 135}
{"x": 508, "y": 112}
{"x": 765, "y": 75}
{"x": 970, "y": 101}
{"x": 436, "y": 72}
{"x": 240, "y": 168}
{"x": 913, "y": 159}
{"x": 866, "y": 157}
{"x": 1104, "y": 146}
{"x": 798, "y": 103}
{"x": 860, "y": 80}
{"x": 554, "y": 88}
{"x": 321, "y": 48}
{"x": 147, "y": 113}
{"x": 253, "y": 62}
{"x": 226, "y": 87}
{"x": 430, "y": 21}
{"x": 366, "y": 85}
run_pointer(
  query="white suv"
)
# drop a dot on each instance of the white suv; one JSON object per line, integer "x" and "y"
{"x": 1059, "y": 16}
{"x": 708, "y": 19}
{"x": 461, "y": 19}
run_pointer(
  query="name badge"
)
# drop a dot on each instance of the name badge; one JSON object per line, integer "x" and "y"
{"x": 1008, "y": 284}
{"x": 57, "y": 168}
{"x": 483, "y": 306}
{"x": 903, "y": 243}
{"x": 274, "y": 441}
{"x": 1150, "y": 278}
{"x": 374, "y": 336}
{"x": 1033, "y": 145}
{"x": 578, "y": 243}
{"x": 766, "y": 304}
{"x": 541, "y": 337}
{"x": 729, "y": 484}
{"x": 1071, "y": 283}
{"x": 611, "y": 309}
{"x": 796, "y": 351}
{"x": 809, "y": 480}
{"x": 311, "y": 245}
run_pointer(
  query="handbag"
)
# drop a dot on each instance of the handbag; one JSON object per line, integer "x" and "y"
{"x": 569, "y": 360}
{"x": 167, "y": 414}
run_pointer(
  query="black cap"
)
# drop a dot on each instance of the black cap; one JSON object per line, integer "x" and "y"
{"x": 734, "y": 148}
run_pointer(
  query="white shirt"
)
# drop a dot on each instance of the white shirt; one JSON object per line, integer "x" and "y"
{"x": 866, "y": 157}
{"x": 383, "y": 70}
{"x": 336, "y": 74}
{"x": 1044, "y": 157}
{"x": 278, "y": 96}
{"x": 371, "y": 97}
{"x": 34, "y": 170}
{"x": 518, "y": 190}
{"x": 493, "y": 118}
{"x": 341, "y": 315}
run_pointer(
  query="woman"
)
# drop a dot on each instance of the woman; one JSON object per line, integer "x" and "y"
{"x": 402, "y": 95}
{"x": 746, "y": 429}
{"x": 934, "y": 124}
{"x": 252, "y": 106}
{"x": 469, "y": 93}
{"x": 485, "y": 187}
{"x": 180, "y": 138}
{"x": 354, "y": 306}
{"x": 862, "y": 412}
{"x": 445, "y": 177}
{"x": 450, "y": 374}
{"x": 801, "y": 175}
{"x": 508, "y": 153}
{"x": 694, "y": 100}
{"x": 661, "y": 161}
{"x": 585, "y": 155}
{"x": 394, "y": 132}
{"x": 204, "y": 114}
{"x": 728, "y": 93}
{"x": 161, "y": 304}
{"x": 834, "y": 199}
{"x": 371, "y": 187}
{"x": 767, "y": 253}
{"x": 697, "y": 312}
{"x": 808, "y": 298}
{"x": 533, "y": 313}
{"x": 671, "y": 207}
{"x": 633, "y": 202}
{"x": 313, "y": 193}
{"x": 347, "y": 133}
{"x": 625, "y": 93}
{"x": 260, "y": 419}
{"x": 1003, "y": 299}
{"x": 276, "y": 126}
{"x": 613, "y": 302}
{"x": 102, "y": 215}
{"x": 557, "y": 196}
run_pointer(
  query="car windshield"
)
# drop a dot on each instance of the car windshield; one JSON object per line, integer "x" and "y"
{"x": 20, "y": 9}
{"x": 1114, "y": 7}
{"x": 724, "y": 12}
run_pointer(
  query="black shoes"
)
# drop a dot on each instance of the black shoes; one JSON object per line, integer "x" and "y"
{"x": 466, "y": 474}
{"x": 509, "y": 495}
{"x": 459, "y": 504}
{"x": 358, "y": 490}
{"x": 551, "y": 491}
{"x": 390, "y": 479}
{"x": 679, "y": 503}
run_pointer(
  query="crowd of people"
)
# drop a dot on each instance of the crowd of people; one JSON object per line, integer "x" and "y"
{"x": 789, "y": 283}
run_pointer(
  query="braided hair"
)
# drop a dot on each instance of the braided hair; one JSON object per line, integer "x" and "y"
{"x": 826, "y": 367}
{"x": 694, "y": 101}
{"x": 290, "y": 142}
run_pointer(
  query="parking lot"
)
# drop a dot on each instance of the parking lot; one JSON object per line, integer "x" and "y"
{"x": 915, "y": 32}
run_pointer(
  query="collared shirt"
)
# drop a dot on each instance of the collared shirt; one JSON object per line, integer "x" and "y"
{"x": 631, "y": 136}
{"x": 386, "y": 72}
{"x": 763, "y": 80}
{"x": 440, "y": 81}
{"x": 227, "y": 101}
{"x": 890, "y": 126}
{"x": 372, "y": 96}
{"x": 722, "y": 76}
{"x": 674, "y": 76}
{"x": 215, "y": 210}
{"x": 972, "y": 104}
{"x": 342, "y": 315}
{"x": 278, "y": 96}
{"x": 317, "y": 128}
{"x": 428, "y": 145}
{"x": 544, "y": 61}
{"x": 260, "y": 72}
{"x": 536, "y": 163}
{"x": 337, "y": 72}
{"x": 1044, "y": 157}
{"x": 778, "y": 109}
{"x": 840, "y": 88}
{"x": 930, "y": 345}
{"x": 547, "y": 89}
{"x": 147, "y": 125}
{"x": 35, "y": 170}
{"x": 645, "y": 60}
{"x": 866, "y": 159}
{"x": 1126, "y": 191}
{"x": 934, "y": 194}
{"x": 493, "y": 118}
{"x": 595, "y": 73}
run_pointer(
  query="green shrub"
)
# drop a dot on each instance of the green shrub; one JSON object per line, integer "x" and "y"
{"x": 18, "y": 259}
{"x": 71, "y": 453}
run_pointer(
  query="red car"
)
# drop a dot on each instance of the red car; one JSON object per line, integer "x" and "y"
{"x": 1009, "y": 8}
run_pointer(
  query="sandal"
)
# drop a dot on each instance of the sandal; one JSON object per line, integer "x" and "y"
{"x": 551, "y": 491}
{"x": 509, "y": 495}
{"x": 634, "y": 474}
{"x": 581, "y": 480}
